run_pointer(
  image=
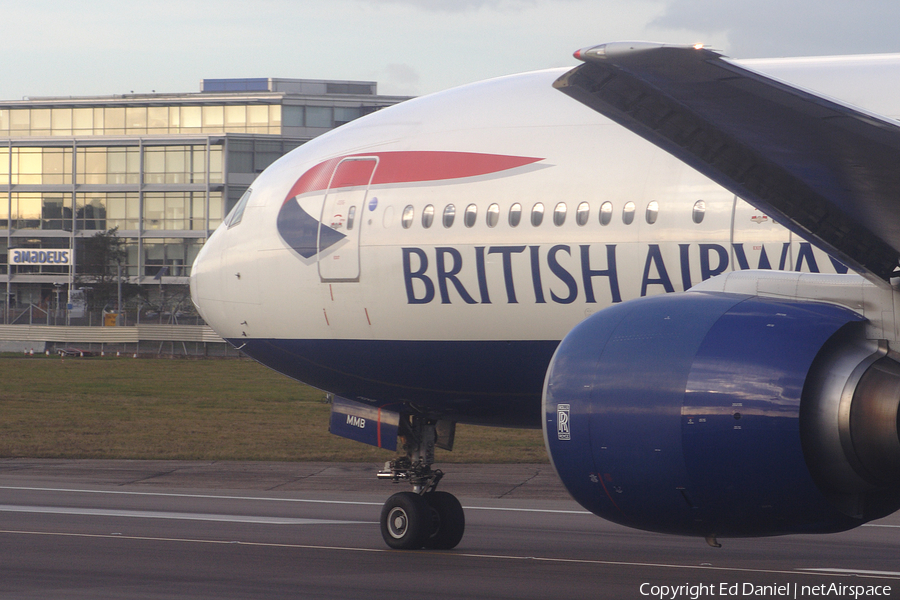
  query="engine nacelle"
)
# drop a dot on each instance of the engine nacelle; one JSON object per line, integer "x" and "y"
{"x": 725, "y": 415}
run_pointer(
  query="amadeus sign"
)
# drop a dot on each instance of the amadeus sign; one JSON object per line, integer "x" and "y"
{"x": 27, "y": 256}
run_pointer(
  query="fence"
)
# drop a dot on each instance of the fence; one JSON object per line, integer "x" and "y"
{"x": 40, "y": 314}
{"x": 143, "y": 339}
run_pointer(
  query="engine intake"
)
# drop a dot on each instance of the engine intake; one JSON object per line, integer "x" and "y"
{"x": 723, "y": 414}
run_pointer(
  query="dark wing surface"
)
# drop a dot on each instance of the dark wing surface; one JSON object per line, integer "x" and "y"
{"x": 829, "y": 172}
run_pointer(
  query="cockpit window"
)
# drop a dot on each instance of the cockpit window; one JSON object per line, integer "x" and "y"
{"x": 237, "y": 213}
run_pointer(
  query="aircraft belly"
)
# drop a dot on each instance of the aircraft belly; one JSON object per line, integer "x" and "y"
{"x": 482, "y": 382}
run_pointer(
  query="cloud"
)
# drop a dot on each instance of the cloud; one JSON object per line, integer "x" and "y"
{"x": 402, "y": 79}
{"x": 768, "y": 28}
{"x": 459, "y": 6}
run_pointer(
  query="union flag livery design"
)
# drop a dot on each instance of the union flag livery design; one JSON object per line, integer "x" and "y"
{"x": 307, "y": 235}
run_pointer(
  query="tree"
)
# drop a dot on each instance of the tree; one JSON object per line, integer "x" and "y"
{"x": 98, "y": 259}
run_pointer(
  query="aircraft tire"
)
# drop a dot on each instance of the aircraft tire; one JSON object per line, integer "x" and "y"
{"x": 406, "y": 521}
{"x": 448, "y": 521}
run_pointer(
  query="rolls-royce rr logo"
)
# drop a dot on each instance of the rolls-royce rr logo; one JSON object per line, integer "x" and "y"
{"x": 562, "y": 421}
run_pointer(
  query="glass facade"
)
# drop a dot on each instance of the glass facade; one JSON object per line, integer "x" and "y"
{"x": 140, "y": 120}
{"x": 164, "y": 169}
{"x": 149, "y": 191}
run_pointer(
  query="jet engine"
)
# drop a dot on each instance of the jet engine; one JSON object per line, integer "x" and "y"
{"x": 718, "y": 414}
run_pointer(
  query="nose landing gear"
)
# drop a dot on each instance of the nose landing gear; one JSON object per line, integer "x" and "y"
{"x": 423, "y": 517}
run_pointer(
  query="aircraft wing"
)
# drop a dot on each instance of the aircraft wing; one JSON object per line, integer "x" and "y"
{"x": 828, "y": 171}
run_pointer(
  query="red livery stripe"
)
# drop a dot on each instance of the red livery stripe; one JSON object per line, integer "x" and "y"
{"x": 406, "y": 167}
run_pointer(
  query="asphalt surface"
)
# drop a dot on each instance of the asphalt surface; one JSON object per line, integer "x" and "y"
{"x": 147, "y": 529}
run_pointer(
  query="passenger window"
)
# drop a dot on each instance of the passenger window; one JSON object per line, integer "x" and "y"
{"x": 628, "y": 213}
{"x": 351, "y": 217}
{"x": 582, "y": 214}
{"x": 515, "y": 214}
{"x": 559, "y": 214}
{"x": 606, "y": 210}
{"x": 537, "y": 214}
{"x": 652, "y": 212}
{"x": 449, "y": 215}
{"x": 493, "y": 215}
{"x": 407, "y": 218}
{"x": 428, "y": 216}
{"x": 471, "y": 215}
{"x": 699, "y": 211}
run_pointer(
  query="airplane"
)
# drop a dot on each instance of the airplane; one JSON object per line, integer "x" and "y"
{"x": 680, "y": 266}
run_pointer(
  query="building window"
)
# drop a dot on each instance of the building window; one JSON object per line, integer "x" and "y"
{"x": 4, "y": 166}
{"x": 26, "y": 210}
{"x": 345, "y": 115}
{"x": 318, "y": 116}
{"x": 39, "y": 166}
{"x": 56, "y": 211}
{"x": 246, "y": 156}
{"x": 4, "y": 210}
{"x": 175, "y": 164}
{"x": 176, "y": 210}
{"x": 113, "y": 165}
{"x": 174, "y": 255}
{"x": 291, "y": 116}
{"x": 101, "y": 211}
{"x": 40, "y": 210}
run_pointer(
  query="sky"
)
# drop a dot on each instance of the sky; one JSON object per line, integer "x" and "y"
{"x": 410, "y": 47}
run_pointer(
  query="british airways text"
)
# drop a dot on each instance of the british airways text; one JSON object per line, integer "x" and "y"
{"x": 437, "y": 274}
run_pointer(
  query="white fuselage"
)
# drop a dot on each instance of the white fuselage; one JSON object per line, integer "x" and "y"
{"x": 662, "y": 228}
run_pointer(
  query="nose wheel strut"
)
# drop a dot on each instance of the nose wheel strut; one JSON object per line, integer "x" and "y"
{"x": 423, "y": 517}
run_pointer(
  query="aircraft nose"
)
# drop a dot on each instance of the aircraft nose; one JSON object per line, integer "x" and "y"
{"x": 205, "y": 290}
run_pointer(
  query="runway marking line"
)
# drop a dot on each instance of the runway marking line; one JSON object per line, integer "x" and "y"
{"x": 183, "y": 516}
{"x": 605, "y": 563}
{"x": 268, "y": 499}
{"x": 855, "y": 572}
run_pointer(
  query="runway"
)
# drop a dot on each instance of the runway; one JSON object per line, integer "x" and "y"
{"x": 139, "y": 529}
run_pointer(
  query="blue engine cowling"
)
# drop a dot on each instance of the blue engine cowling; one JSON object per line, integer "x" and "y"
{"x": 695, "y": 414}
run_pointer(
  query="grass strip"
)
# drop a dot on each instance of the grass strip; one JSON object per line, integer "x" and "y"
{"x": 194, "y": 410}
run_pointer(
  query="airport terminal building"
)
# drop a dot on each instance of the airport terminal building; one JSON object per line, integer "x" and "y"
{"x": 162, "y": 168}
